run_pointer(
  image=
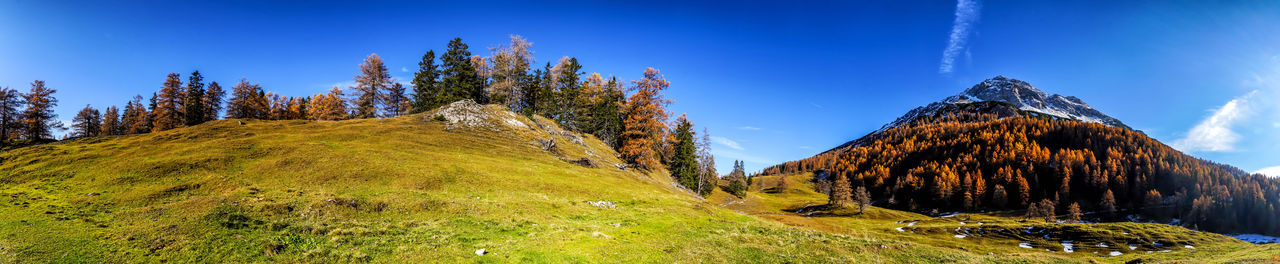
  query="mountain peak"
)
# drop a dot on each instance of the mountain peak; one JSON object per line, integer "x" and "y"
{"x": 1019, "y": 94}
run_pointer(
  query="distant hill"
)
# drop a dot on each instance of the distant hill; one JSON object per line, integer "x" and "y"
{"x": 1002, "y": 144}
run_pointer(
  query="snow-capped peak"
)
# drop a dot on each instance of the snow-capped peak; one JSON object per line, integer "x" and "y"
{"x": 1021, "y": 95}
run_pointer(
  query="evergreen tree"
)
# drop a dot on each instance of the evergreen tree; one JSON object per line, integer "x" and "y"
{"x": 567, "y": 93}
{"x": 38, "y": 119}
{"x": 111, "y": 121}
{"x": 87, "y": 123}
{"x": 10, "y": 117}
{"x": 396, "y": 104}
{"x": 213, "y": 101}
{"x": 459, "y": 79}
{"x": 645, "y": 123}
{"x": 426, "y": 92}
{"x": 684, "y": 166}
{"x": 373, "y": 78}
{"x": 167, "y": 114}
{"x": 193, "y": 106}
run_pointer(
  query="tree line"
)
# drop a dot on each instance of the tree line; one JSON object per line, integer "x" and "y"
{"x": 972, "y": 161}
{"x": 635, "y": 125}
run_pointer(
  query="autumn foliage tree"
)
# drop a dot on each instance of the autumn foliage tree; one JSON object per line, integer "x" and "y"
{"x": 962, "y": 160}
{"x": 167, "y": 114}
{"x": 645, "y": 125}
{"x": 367, "y": 92}
{"x": 86, "y": 123}
{"x": 38, "y": 119}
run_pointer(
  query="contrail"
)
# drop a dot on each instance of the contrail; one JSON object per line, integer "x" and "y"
{"x": 966, "y": 15}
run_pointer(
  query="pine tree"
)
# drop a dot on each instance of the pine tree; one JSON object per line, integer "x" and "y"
{"x": 373, "y": 78}
{"x": 86, "y": 123}
{"x": 567, "y": 93}
{"x": 136, "y": 120}
{"x": 426, "y": 92}
{"x": 213, "y": 101}
{"x": 111, "y": 121}
{"x": 841, "y": 191}
{"x": 645, "y": 123}
{"x": 396, "y": 104}
{"x": 10, "y": 117}
{"x": 1073, "y": 213}
{"x": 38, "y": 119}
{"x": 167, "y": 115}
{"x": 193, "y": 107}
{"x": 684, "y": 166}
{"x": 459, "y": 78}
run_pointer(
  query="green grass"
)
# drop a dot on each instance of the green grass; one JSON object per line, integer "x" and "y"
{"x": 412, "y": 189}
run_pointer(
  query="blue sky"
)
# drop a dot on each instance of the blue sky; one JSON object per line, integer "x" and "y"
{"x": 773, "y": 81}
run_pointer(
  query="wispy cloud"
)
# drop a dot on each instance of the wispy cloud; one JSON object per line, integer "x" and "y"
{"x": 726, "y": 142}
{"x": 815, "y": 105}
{"x": 967, "y": 12}
{"x": 403, "y": 69}
{"x": 748, "y": 128}
{"x": 1270, "y": 171}
{"x": 1215, "y": 132}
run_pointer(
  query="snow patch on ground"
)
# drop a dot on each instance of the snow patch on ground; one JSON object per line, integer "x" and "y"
{"x": 1025, "y": 244}
{"x": 961, "y": 236}
{"x": 1116, "y": 253}
{"x": 1068, "y": 246}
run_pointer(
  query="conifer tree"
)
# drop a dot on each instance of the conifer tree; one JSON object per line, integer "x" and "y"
{"x": 863, "y": 198}
{"x": 426, "y": 92}
{"x": 38, "y": 119}
{"x": 329, "y": 106}
{"x": 193, "y": 106}
{"x": 213, "y": 101}
{"x": 167, "y": 114}
{"x": 110, "y": 121}
{"x": 373, "y": 78}
{"x": 396, "y": 103}
{"x": 10, "y": 117}
{"x": 841, "y": 191}
{"x": 645, "y": 123}
{"x": 565, "y": 77}
{"x": 1073, "y": 213}
{"x": 247, "y": 101}
{"x": 1108, "y": 203}
{"x": 86, "y": 123}
{"x": 509, "y": 71}
{"x": 459, "y": 78}
{"x": 136, "y": 120}
{"x": 782, "y": 184}
{"x": 684, "y": 165}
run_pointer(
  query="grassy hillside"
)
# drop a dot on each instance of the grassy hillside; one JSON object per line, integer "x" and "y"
{"x": 998, "y": 233}
{"x": 426, "y": 189}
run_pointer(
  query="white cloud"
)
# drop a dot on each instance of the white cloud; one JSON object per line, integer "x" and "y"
{"x": 1215, "y": 133}
{"x": 726, "y": 142}
{"x": 749, "y": 128}
{"x": 967, "y": 12}
{"x": 403, "y": 69}
{"x": 1270, "y": 171}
